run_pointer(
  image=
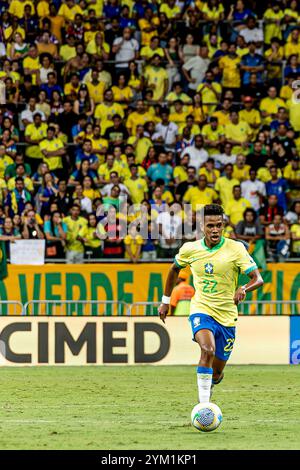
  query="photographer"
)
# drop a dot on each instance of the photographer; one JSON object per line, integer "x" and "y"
{"x": 31, "y": 229}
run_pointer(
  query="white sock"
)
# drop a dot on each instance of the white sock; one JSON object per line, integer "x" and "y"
{"x": 204, "y": 380}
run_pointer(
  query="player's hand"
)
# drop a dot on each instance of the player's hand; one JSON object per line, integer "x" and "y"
{"x": 239, "y": 295}
{"x": 163, "y": 311}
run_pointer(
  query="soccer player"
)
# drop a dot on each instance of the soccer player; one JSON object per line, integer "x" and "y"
{"x": 215, "y": 263}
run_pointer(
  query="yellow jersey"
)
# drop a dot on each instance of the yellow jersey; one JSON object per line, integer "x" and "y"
{"x": 235, "y": 209}
{"x": 215, "y": 273}
{"x": 200, "y": 197}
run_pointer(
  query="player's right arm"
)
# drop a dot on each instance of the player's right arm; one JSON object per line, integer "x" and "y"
{"x": 163, "y": 309}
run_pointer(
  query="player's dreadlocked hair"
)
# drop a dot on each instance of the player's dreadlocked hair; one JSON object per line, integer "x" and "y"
{"x": 213, "y": 209}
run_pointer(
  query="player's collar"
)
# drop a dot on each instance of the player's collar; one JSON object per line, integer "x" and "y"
{"x": 214, "y": 248}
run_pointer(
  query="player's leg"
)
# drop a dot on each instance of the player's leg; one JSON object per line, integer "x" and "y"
{"x": 218, "y": 367}
{"x": 205, "y": 339}
{"x": 224, "y": 339}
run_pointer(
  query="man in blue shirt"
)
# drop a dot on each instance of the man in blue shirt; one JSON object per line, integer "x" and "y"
{"x": 252, "y": 63}
{"x": 51, "y": 85}
{"x": 160, "y": 170}
{"x": 279, "y": 187}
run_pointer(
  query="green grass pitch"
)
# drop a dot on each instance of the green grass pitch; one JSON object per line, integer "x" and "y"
{"x": 146, "y": 407}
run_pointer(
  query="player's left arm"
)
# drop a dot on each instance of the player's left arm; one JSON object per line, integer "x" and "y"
{"x": 255, "y": 282}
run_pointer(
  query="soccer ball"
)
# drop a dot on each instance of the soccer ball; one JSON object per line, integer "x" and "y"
{"x": 206, "y": 417}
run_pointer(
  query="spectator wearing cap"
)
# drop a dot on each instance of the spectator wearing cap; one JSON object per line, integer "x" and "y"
{"x": 181, "y": 295}
{"x": 250, "y": 115}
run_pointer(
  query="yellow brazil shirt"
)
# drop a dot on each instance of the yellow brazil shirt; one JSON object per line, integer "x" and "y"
{"x": 223, "y": 118}
{"x": 215, "y": 276}
{"x": 231, "y": 73}
{"x": 180, "y": 173}
{"x": 295, "y": 228}
{"x": 239, "y": 132}
{"x": 137, "y": 189}
{"x": 92, "y": 48}
{"x": 272, "y": 29}
{"x": 67, "y": 52}
{"x": 96, "y": 91}
{"x": 11, "y": 184}
{"x": 211, "y": 176}
{"x": 199, "y": 197}
{"x": 156, "y": 76}
{"x": 105, "y": 114}
{"x": 141, "y": 148}
{"x": 270, "y": 106}
{"x": 224, "y": 186}
{"x": 148, "y": 52}
{"x": 69, "y": 13}
{"x": 148, "y": 30}
{"x": 16, "y": 8}
{"x": 35, "y": 133}
{"x": 134, "y": 243}
{"x": 32, "y": 64}
{"x": 104, "y": 171}
{"x": 213, "y": 135}
{"x": 4, "y": 163}
{"x": 54, "y": 163}
{"x": 134, "y": 119}
{"x": 294, "y": 114}
{"x": 235, "y": 209}
{"x": 286, "y": 92}
{"x": 73, "y": 229}
{"x": 208, "y": 96}
{"x": 89, "y": 234}
{"x": 42, "y": 9}
{"x": 263, "y": 174}
{"x": 241, "y": 174}
{"x": 251, "y": 117}
{"x": 169, "y": 12}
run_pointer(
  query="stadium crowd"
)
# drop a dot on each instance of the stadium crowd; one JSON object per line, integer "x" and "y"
{"x": 118, "y": 104}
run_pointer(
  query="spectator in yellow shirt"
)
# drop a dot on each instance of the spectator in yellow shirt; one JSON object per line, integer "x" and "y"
{"x": 236, "y": 206}
{"x": 210, "y": 92}
{"x": 200, "y": 195}
{"x": 157, "y": 78}
{"x": 230, "y": 67}
{"x": 250, "y": 115}
{"x": 69, "y": 9}
{"x": 171, "y": 10}
{"x": 237, "y": 133}
{"x": 224, "y": 185}
{"x": 213, "y": 135}
{"x": 240, "y": 169}
{"x": 269, "y": 105}
{"x": 133, "y": 244}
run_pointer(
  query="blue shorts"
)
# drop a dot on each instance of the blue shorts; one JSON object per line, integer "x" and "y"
{"x": 224, "y": 335}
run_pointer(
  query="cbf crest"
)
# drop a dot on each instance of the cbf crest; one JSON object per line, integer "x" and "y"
{"x": 209, "y": 268}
